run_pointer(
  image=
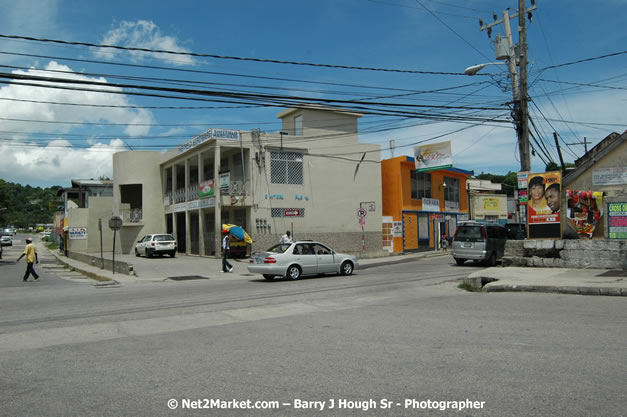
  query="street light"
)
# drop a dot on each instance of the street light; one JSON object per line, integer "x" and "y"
{"x": 472, "y": 70}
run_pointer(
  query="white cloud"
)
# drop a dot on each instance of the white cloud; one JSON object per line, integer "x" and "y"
{"x": 56, "y": 163}
{"x": 28, "y": 157}
{"x": 144, "y": 34}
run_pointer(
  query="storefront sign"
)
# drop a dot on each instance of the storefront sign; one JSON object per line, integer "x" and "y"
{"x": 77, "y": 233}
{"x": 196, "y": 204}
{"x": 180, "y": 207}
{"x": 433, "y": 156}
{"x": 430, "y": 204}
{"x": 222, "y": 134}
{"x": 225, "y": 180}
{"x": 617, "y": 220}
{"x": 609, "y": 176}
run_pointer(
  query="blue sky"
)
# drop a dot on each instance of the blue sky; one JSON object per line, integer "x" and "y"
{"x": 48, "y": 136}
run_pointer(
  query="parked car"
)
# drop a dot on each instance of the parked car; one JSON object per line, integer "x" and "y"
{"x": 479, "y": 242}
{"x": 6, "y": 241}
{"x": 292, "y": 260}
{"x": 157, "y": 244}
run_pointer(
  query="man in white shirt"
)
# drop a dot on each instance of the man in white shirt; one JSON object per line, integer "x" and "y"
{"x": 286, "y": 238}
{"x": 226, "y": 247}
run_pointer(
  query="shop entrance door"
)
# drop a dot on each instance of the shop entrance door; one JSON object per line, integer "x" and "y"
{"x": 410, "y": 231}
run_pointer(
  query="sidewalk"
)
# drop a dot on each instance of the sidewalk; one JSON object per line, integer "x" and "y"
{"x": 496, "y": 279}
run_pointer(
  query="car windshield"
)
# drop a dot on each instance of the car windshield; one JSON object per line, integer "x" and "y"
{"x": 469, "y": 234}
{"x": 280, "y": 248}
{"x": 163, "y": 238}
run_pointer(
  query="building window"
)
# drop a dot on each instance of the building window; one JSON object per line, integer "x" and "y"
{"x": 298, "y": 125}
{"x": 420, "y": 185}
{"x": 451, "y": 192}
{"x": 286, "y": 167}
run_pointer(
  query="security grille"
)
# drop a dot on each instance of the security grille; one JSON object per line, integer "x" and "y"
{"x": 286, "y": 167}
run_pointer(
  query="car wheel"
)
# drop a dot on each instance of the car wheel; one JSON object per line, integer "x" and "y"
{"x": 492, "y": 259}
{"x": 293, "y": 272}
{"x": 148, "y": 253}
{"x": 136, "y": 252}
{"x": 460, "y": 262}
{"x": 172, "y": 254}
{"x": 346, "y": 268}
{"x": 268, "y": 277}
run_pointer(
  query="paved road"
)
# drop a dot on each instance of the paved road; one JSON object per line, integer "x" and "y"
{"x": 398, "y": 332}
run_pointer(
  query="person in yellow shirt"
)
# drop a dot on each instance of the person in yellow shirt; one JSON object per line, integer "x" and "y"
{"x": 31, "y": 257}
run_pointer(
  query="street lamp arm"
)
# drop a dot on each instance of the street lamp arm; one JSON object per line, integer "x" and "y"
{"x": 472, "y": 70}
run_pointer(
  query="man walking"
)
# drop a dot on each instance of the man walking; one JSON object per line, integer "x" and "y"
{"x": 226, "y": 247}
{"x": 286, "y": 238}
{"x": 31, "y": 257}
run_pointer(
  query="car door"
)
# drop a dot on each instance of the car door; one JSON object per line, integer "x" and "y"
{"x": 141, "y": 246}
{"x": 325, "y": 259}
{"x": 306, "y": 258}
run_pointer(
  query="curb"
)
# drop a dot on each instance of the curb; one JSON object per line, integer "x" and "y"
{"x": 607, "y": 291}
{"x": 102, "y": 280}
{"x": 400, "y": 261}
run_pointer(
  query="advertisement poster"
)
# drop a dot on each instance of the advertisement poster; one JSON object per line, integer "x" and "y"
{"x": 585, "y": 211}
{"x": 206, "y": 190}
{"x": 544, "y": 191}
{"x": 77, "y": 233}
{"x": 617, "y": 220}
{"x": 433, "y": 156}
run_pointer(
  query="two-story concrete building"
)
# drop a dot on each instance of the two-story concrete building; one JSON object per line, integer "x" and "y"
{"x": 311, "y": 178}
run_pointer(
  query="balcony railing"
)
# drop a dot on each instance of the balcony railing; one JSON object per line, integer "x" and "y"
{"x": 235, "y": 188}
{"x": 132, "y": 216}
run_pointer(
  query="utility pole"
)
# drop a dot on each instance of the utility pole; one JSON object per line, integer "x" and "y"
{"x": 519, "y": 84}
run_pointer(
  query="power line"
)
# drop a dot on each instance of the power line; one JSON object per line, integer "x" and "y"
{"x": 236, "y": 58}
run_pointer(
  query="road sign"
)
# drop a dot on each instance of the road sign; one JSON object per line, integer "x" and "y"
{"x": 292, "y": 213}
{"x": 115, "y": 223}
{"x": 362, "y": 213}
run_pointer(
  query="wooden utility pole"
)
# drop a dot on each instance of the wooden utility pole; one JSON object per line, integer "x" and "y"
{"x": 523, "y": 139}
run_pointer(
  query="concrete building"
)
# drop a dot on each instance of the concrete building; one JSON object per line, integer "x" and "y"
{"x": 419, "y": 206}
{"x": 84, "y": 207}
{"x": 485, "y": 204}
{"x": 307, "y": 178}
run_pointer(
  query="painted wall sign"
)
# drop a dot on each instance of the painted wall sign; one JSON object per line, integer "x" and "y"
{"x": 617, "y": 220}
{"x": 609, "y": 176}
{"x": 491, "y": 204}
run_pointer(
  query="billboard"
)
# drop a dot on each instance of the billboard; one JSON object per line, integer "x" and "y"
{"x": 544, "y": 200}
{"x": 585, "y": 211}
{"x": 433, "y": 156}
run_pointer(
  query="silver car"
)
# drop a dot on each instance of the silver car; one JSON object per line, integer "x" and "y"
{"x": 292, "y": 260}
{"x": 479, "y": 242}
{"x": 157, "y": 244}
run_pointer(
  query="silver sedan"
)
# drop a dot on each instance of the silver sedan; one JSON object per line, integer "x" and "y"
{"x": 292, "y": 260}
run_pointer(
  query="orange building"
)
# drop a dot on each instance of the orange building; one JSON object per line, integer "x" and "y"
{"x": 419, "y": 207}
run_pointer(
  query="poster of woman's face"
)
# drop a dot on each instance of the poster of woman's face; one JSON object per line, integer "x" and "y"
{"x": 544, "y": 204}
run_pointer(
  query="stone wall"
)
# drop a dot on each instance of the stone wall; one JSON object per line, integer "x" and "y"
{"x": 603, "y": 254}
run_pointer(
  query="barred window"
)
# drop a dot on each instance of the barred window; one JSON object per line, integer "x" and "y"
{"x": 451, "y": 192}
{"x": 286, "y": 167}
{"x": 420, "y": 185}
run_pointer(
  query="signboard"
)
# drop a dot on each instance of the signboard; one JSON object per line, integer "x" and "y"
{"x": 292, "y": 212}
{"x": 115, "y": 223}
{"x": 522, "y": 197}
{"x": 397, "y": 229}
{"x": 223, "y": 134}
{"x": 368, "y": 205}
{"x": 617, "y": 220}
{"x": 430, "y": 204}
{"x": 609, "y": 176}
{"x": 523, "y": 177}
{"x": 225, "y": 180}
{"x": 77, "y": 233}
{"x": 544, "y": 205}
{"x": 433, "y": 156}
{"x": 362, "y": 213}
{"x": 206, "y": 189}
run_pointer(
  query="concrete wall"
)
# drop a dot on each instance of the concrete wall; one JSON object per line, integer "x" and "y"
{"x": 139, "y": 167}
{"x": 585, "y": 254}
{"x": 79, "y": 217}
{"x": 99, "y": 207}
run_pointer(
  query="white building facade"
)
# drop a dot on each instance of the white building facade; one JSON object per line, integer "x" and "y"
{"x": 309, "y": 178}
